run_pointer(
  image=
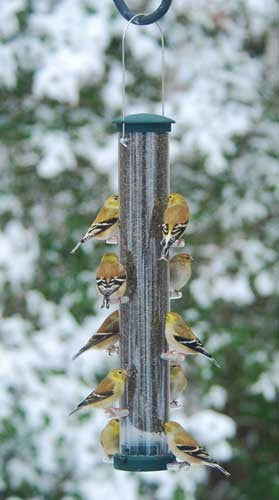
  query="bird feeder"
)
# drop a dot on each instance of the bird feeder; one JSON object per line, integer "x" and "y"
{"x": 143, "y": 193}
{"x": 150, "y": 222}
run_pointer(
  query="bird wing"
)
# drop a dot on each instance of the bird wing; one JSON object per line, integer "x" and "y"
{"x": 106, "y": 214}
{"x": 195, "y": 452}
{"x": 183, "y": 331}
{"x": 194, "y": 344}
{"x": 108, "y": 287}
{"x": 100, "y": 337}
{"x": 165, "y": 229}
{"x": 99, "y": 227}
{"x": 177, "y": 214}
{"x": 105, "y": 386}
{"x": 110, "y": 270}
{"x": 183, "y": 439}
{"x": 103, "y": 391}
{"x": 111, "y": 324}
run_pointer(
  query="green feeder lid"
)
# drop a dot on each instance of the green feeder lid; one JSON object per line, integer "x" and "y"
{"x": 144, "y": 122}
{"x": 142, "y": 463}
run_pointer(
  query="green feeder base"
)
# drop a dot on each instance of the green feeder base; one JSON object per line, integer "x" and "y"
{"x": 142, "y": 463}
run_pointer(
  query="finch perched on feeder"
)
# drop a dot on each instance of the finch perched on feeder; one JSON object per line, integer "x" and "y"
{"x": 110, "y": 437}
{"x": 183, "y": 341}
{"x": 180, "y": 271}
{"x": 107, "y": 335}
{"x": 105, "y": 224}
{"x": 186, "y": 449}
{"x": 175, "y": 220}
{"x": 111, "y": 278}
{"x": 109, "y": 390}
{"x": 178, "y": 383}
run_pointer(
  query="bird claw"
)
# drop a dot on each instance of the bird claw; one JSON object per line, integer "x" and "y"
{"x": 113, "y": 240}
{"x": 175, "y": 404}
{"x": 108, "y": 460}
{"x": 112, "y": 350}
{"x": 179, "y": 244}
{"x": 175, "y": 294}
{"x": 124, "y": 142}
{"x": 121, "y": 300}
{"x": 173, "y": 356}
{"x": 117, "y": 412}
{"x": 178, "y": 466}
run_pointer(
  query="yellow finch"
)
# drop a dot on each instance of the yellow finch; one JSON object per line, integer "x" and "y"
{"x": 111, "y": 278}
{"x": 110, "y": 437}
{"x": 109, "y": 390}
{"x": 105, "y": 223}
{"x": 186, "y": 449}
{"x": 178, "y": 383}
{"x": 175, "y": 220}
{"x": 107, "y": 335}
{"x": 180, "y": 271}
{"x": 181, "y": 338}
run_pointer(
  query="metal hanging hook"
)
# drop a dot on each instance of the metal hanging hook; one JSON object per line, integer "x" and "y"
{"x": 143, "y": 19}
{"x": 123, "y": 140}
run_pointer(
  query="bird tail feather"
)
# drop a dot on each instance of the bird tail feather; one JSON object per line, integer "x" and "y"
{"x": 75, "y": 248}
{"x": 221, "y": 469}
{"x": 208, "y": 356}
{"x": 73, "y": 411}
{"x": 83, "y": 349}
{"x": 215, "y": 362}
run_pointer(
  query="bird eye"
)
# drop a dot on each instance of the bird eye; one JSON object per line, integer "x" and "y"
{"x": 120, "y": 372}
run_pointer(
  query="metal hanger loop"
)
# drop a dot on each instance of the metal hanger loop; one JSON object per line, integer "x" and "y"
{"x": 123, "y": 140}
{"x": 143, "y": 19}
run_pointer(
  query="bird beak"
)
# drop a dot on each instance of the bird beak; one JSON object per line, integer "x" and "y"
{"x": 192, "y": 260}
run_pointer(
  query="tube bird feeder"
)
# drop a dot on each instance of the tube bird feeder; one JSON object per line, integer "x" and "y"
{"x": 143, "y": 191}
{"x": 143, "y": 170}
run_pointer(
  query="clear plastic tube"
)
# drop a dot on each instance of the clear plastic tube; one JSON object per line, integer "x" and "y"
{"x": 143, "y": 189}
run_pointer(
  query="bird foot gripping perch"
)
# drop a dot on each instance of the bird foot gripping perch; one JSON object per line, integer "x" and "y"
{"x": 175, "y": 404}
{"x": 178, "y": 466}
{"x": 112, "y": 350}
{"x": 117, "y": 412}
{"x": 107, "y": 301}
{"x": 176, "y": 294}
{"x": 179, "y": 244}
{"x": 173, "y": 356}
{"x": 113, "y": 240}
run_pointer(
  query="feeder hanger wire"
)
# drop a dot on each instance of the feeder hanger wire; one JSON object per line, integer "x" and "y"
{"x": 123, "y": 140}
{"x": 143, "y": 19}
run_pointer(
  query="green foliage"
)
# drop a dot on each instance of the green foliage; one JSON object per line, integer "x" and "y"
{"x": 57, "y": 299}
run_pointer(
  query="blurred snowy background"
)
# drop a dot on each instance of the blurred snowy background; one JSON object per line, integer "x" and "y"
{"x": 60, "y": 88}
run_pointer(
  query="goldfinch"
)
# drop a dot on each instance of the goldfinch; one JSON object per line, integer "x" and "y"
{"x": 182, "y": 340}
{"x": 178, "y": 383}
{"x": 111, "y": 278}
{"x": 110, "y": 437}
{"x": 180, "y": 271}
{"x": 105, "y": 223}
{"x": 109, "y": 390}
{"x": 175, "y": 220}
{"x": 107, "y": 335}
{"x": 186, "y": 449}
